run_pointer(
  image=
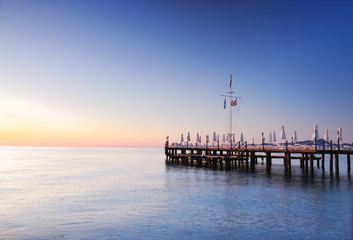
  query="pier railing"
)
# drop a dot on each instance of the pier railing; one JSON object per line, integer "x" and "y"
{"x": 243, "y": 146}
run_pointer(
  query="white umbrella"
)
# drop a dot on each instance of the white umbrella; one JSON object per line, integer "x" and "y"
{"x": 295, "y": 136}
{"x": 340, "y": 133}
{"x": 326, "y": 138}
{"x": 241, "y": 138}
{"x": 274, "y": 137}
{"x": 189, "y": 139}
{"x": 182, "y": 138}
{"x": 214, "y": 137}
{"x": 270, "y": 137}
{"x": 315, "y": 132}
{"x": 283, "y": 133}
{"x": 224, "y": 138}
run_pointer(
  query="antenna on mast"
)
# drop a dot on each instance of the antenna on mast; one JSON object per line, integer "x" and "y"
{"x": 232, "y": 103}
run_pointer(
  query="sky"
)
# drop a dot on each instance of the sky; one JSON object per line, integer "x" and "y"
{"x": 131, "y": 73}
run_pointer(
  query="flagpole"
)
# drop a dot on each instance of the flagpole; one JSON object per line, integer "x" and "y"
{"x": 230, "y": 111}
{"x": 230, "y": 95}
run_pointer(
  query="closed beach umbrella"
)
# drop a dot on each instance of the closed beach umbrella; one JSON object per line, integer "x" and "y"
{"x": 227, "y": 138}
{"x": 340, "y": 133}
{"x": 326, "y": 138}
{"x": 274, "y": 137}
{"x": 224, "y": 138}
{"x": 241, "y": 138}
{"x": 182, "y": 138}
{"x": 214, "y": 137}
{"x": 315, "y": 132}
{"x": 207, "y": 139}
{"x": 283, "y": 133}
{"x": 295, "y": 136}
{"x": 270, "y": 137}
{"x": 189, "y": 139}
{"x": 197, "y": 137}
{"x": 217, "y": 138}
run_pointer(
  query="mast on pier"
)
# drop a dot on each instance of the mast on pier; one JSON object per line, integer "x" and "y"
{"x": 233, "y": 101}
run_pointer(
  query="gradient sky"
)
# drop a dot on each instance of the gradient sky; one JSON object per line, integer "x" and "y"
{"x": 130, "y": 73}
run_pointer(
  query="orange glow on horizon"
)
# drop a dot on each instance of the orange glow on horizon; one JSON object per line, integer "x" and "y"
{"x": 35, "y": 136}
{"x": 84, "y": 140}
{"x": 26, "y": 123}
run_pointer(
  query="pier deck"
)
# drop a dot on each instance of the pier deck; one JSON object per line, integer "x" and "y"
{"x": 244, "y": 156}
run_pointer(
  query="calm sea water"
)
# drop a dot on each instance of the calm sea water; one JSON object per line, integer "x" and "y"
{"x": 115, "y": 193}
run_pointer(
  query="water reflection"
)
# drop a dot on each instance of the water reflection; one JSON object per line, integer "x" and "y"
{"x": 277, "y": 170}
{"x": 271, "y": 202}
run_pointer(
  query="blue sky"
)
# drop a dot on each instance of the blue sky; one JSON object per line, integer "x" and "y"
{"x": 129, "y": 73}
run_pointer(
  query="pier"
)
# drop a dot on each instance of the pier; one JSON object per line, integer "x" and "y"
{"x": 240, "y": 155}
{"x": 244, "y": 156}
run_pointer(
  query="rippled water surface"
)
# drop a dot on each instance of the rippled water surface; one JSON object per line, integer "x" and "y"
{"x": 115, "y": 193}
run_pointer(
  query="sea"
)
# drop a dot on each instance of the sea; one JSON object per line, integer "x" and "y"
{"x": 132, "y": 193}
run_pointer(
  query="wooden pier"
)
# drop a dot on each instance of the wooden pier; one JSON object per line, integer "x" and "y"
{"x": 243, "y": 156}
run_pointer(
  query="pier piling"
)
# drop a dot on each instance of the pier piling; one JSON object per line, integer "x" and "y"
{"x": 348, "y": 163}
{"x": 337, "y": 167}
{"x": 311, "y": 164}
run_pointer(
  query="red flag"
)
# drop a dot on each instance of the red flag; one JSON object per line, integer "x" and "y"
{"x": 230, "y": 83}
